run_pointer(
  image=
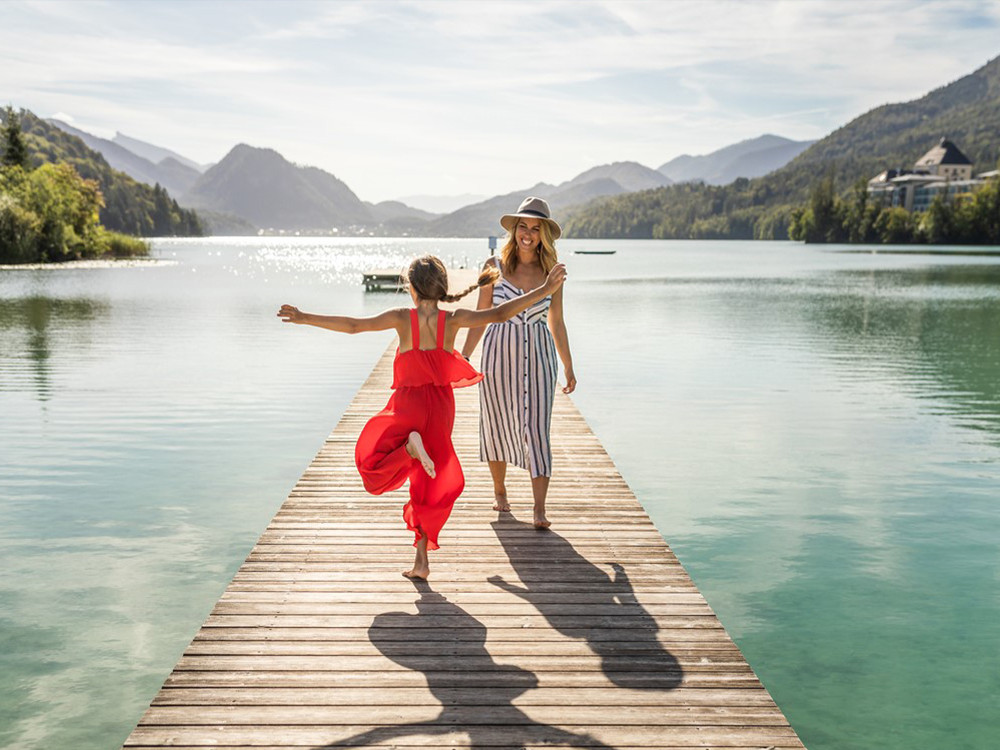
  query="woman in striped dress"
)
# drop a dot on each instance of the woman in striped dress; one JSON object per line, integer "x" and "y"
{"x": 519, "y": 358}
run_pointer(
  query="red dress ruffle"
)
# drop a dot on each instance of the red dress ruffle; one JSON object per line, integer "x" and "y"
{"x": 423, "y": 402}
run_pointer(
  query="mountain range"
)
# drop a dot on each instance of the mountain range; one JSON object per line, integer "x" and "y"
{"x": 155, "y": 154}
{"x": 750, "y": 158}
{"x": 966, "y": 111}
{"x": 261, "y": 186}
{"x": 130, "y": 206}
{"x": 744, "y": 190}
{"x": 253, "y": 188}
{"x": 170, "y": 171}
{"x": 610, "y": 179}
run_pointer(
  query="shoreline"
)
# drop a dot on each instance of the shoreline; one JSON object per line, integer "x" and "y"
{"x": 90, "y": 264}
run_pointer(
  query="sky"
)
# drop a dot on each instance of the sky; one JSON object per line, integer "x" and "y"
{"x": 401, "y": 98}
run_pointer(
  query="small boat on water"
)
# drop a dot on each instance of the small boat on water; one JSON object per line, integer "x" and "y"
{"x": 594, "y": 252}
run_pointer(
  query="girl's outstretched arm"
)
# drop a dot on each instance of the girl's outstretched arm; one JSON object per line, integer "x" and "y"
{"x": 471, "y": 318}
{"x": 344, "y": 323}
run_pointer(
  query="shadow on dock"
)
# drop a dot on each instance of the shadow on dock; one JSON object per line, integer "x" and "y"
{"x": 483, "y": 706}
{"x": 630, "y": 652}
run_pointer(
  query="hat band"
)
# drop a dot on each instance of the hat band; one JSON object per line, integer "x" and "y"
{"x": 539, "y": 214}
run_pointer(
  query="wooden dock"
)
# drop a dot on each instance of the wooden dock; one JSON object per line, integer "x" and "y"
{"x": 383, "y": 280}
{"x": 587, "y": 635}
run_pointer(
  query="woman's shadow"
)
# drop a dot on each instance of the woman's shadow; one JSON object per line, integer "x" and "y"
{"x": 463, "y": 692}
{"x": 624, "y": 636}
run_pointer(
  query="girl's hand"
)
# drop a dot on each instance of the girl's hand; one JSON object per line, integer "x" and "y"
{"x": 570, "y": 382}
{"x": 556, "y": 277}
{"x": 289, "y": 314}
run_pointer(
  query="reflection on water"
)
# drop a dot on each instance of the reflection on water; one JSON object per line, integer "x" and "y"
{"x": 25, "y": 330}
{"x": 815, "y": 433}
{"x": 935, "y": 328}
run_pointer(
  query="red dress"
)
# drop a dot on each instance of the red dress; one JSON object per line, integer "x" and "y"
{"x": 422, "y": 402}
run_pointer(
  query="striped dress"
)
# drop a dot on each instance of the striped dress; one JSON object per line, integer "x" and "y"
{"x": 515, "y": 397}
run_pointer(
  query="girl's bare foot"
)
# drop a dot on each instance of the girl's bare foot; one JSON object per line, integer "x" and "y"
{"x": 415, "y": 447}
{"x": 541, "y": 522}
{"x": 421, "y": 566}
{"x": 501, "y": 503}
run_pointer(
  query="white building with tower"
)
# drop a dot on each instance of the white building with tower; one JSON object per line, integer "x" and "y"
{"x": 943, "y": 169}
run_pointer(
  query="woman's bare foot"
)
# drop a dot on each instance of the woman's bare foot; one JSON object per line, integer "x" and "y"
{"x": 540, "y": 521}
{"x": 415, "y": 447}
{"x": 501, "y": 503}
{"x": 421, "y": 566}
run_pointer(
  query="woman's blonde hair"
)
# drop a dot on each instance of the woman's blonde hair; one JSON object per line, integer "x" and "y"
{"x": 429, "y": 279}
{"x": 546, "y": 249}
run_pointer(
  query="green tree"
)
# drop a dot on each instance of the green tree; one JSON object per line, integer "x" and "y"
{"x": 937, "y": 225}
{"x": 861, "y": 214}
{"x": 895, "y": 226}
{"x": 20, "y": 230}
{"x": 14, "y": 149}
{"x": 979, "y": 215}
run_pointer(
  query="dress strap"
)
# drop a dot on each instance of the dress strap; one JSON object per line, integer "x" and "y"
{"x": 440, "y": 336}
{"x": 414, "y": 329}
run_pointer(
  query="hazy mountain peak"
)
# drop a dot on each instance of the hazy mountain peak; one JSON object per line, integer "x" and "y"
{"x": 629, "y": 175}
{"x": 152, "y": 153}
{"x": 170, "y": 173}
{"x": 263, "y": 187}
{"x": 752, "y": 157}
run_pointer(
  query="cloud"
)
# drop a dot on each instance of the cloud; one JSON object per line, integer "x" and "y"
{"x": 487, "y": 91}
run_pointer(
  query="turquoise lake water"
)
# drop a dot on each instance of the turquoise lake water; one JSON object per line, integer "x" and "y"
{"x": 815, "y": 432}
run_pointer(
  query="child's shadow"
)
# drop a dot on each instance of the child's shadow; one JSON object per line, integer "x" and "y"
{"x": 631, "y": 654}
{"x": 461, "y": 692}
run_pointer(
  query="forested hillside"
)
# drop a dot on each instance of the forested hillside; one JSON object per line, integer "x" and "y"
{"x": 48, "y": 212}
{"x": 129, "y": 207}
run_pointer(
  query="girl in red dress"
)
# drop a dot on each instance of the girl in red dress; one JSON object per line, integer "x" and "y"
{"x": 411, "y": 437}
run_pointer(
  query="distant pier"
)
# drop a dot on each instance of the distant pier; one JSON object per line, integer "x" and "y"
{"x": 383, "y": 281}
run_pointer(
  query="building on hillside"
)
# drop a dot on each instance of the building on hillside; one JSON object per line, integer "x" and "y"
{"x": 945, "y": 160}
{"x": 942, "y": 170}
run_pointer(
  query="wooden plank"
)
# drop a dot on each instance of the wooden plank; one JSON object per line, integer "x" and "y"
{"x": 578, "y": 696}
{"x": 448, "y": 734}
{"x": 589, "y": 635}
{"x": 547, "y": 681}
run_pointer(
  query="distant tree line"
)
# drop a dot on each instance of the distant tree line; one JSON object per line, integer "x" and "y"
{"x": 50, "y": 213}
{"x": 742, "y": 210}
{"x": 965, "y": 219}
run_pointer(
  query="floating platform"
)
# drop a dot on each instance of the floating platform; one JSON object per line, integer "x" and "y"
{"x": 383, "y": 281}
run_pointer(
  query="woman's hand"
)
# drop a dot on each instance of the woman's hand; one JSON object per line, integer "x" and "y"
{"x": 556, "y": 277}
{"x": 570, "y": 381}
{"x": 289, "y": 314}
